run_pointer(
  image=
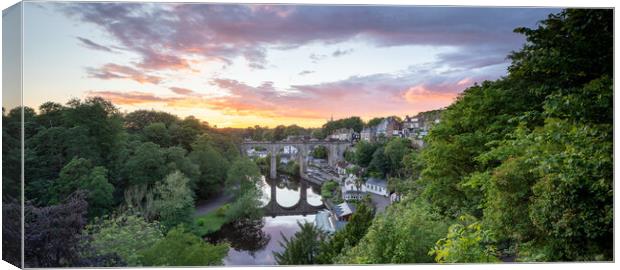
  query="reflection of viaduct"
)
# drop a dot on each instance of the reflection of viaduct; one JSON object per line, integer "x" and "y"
{"x": 302, "y": 207}
{"x": 335, "y": 152}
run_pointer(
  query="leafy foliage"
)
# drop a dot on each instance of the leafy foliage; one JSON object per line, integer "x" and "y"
{"x": 174, "y": 201}
{"x": 80, "y": 174}
{"x": 125, "y": 235}
{"x": 319, "y": 152}
{"x": 403, "y": 234}
{"x": 180, "y": 248}
{"x": 348, "y": 237}
{"x": 466, "y": 242}
{"x": 302, "y": 248}
{"x": 212, "y": 165}
{"x": 52, "y": 233}
{"x": 244, "y": 183}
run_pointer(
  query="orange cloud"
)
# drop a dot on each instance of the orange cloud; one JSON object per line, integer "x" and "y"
{"x": 419, "y": 94}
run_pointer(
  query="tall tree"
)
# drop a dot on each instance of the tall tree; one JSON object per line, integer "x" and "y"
{"x": 174, "y": 200}
{"x": 302, "y": 248}
{"x": 78, "y": 174}
{"x": 123, "y": 234}
{"x": 212, "y": 165}
{"x": 52, "y": 233}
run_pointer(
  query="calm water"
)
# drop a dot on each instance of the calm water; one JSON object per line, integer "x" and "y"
{"x": 254, "y": 241}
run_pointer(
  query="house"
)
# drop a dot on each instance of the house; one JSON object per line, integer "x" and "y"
{"x": 325, "y": 221}
{"x": 257, "y": 153}
{"x": 343, "y": 211}
{"x": 410, "y": 123}
{"x": 394, "y": 197}
{"x": 353, "y": 195}
{"x": 342, "y": 134}
{"x": 368, "y": 134}
{"x": 289, "y": 150}
{"x": 387, "y": 127}
{"x": 417, "y": 127}
{"x": 376, "y": 186}
{"x": 341, "y": 167}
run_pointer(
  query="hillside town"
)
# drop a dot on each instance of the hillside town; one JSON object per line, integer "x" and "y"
{"x": 344, "y": 183}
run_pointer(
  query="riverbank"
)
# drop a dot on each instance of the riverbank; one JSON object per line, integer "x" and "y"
{"x": 205, "y": 207}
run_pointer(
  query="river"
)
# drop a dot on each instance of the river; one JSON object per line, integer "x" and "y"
{"x": 254, "y": 241}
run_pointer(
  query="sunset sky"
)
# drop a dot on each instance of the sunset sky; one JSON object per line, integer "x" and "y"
{"x": 246, "y": 65}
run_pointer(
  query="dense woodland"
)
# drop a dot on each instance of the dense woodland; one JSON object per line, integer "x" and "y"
{"x": 520, "y": 168}
{"x": 123, "y": 186}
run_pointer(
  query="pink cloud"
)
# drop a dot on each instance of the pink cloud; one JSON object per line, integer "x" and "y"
{"x": 420, "y": 95}
{"x": 114, "y": 71}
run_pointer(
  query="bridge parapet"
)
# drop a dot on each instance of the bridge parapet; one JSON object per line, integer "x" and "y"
{"x": 335, "y": 149}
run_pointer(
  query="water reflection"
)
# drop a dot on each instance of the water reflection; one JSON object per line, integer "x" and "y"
{"x": 243, "y": 235}
{"x": 273, "y": 229}
{"x": 288, "y": 191}
{"x": 313, "y": 196}
{"x": 254, "y": 241}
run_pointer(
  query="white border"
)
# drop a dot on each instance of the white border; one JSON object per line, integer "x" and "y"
{"x": 507, "y": 3}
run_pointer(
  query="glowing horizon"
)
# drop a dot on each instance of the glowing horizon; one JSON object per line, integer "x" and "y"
{"x": 246, "y": 65}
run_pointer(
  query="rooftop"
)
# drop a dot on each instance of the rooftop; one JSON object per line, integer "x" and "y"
{"x": 323, "y": 221}
{"x": 344, "y": 209}
{"x": 376, "y": 182}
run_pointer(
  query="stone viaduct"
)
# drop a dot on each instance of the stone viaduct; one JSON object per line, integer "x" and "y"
{"x": 335, "y": 152}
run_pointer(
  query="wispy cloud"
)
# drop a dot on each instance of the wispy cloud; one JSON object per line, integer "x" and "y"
{"x": 92, "y": 45}
{"x": 339, "y": 52}
{"x": 305, "y": 72}
{"x": 365, "y": 96}
{"x": 165, "y": 35}
{"x": 114, "y": 71}
{"x": 183, "y": 91}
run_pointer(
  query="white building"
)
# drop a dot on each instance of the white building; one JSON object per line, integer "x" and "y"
{"x": 353, "y": 195}
{"x": 368, "y": 134}
{"x": 394, "y": 197}
{"x": 376, "y": 186}
{"x": 254, "y": 153}
{"x": 289, "y": 150}
{"x": 342, "y": 134}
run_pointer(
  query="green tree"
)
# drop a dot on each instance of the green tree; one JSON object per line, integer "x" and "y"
{"x": 177, "y": 160}
{"x": 79, "y": 173}
{"x": 302, "y": 248}
{"x": 174, "y": 200}
{"x": 184, "y": 133}
{"x": 466, "y": 242}
{"x": 102, "y": 124}
{"x": 181, "y": 248}
{"x": 278, "y": 133}
{"x": 348, "y": 237}
{"x": 395, "y": 150}
{"x": 138, "y": 120}
{"x": 294, "y": 130}
{"x": 380, "y": 164}
{"x": 213, "y": 168}
{"x": 404, "y": 234}
{"x": 375, "y": 121}
{"x": 320, "y": 152}
{"x": 243, "y": 182}
{"x": 158, "y": 133}
{"x": 146, "y": 165}
{"x": 363, "y": 153}
{"x": 125, "y": 235}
